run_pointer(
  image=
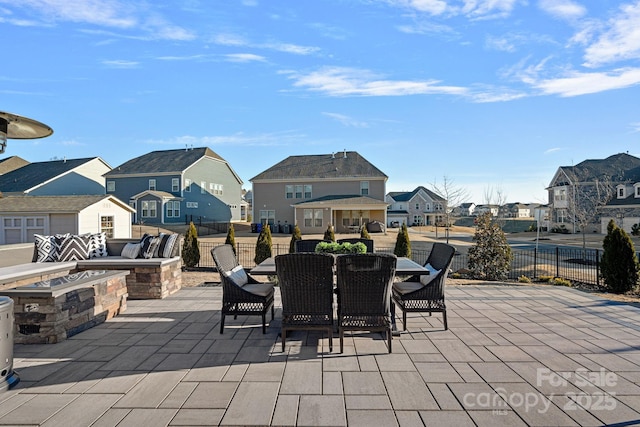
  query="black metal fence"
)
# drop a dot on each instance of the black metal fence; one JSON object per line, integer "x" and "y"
{"x": 574, "y": 264}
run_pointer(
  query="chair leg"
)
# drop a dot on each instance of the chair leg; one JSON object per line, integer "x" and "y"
{"x": 330, "y": 339}
{"x": 341, "y": 331}
{"x": 264, "y": 322}
{"x": 389, "y": 338}
{"x": 444, "y": 319}
{"x": 222, "y": 323}
{"x": 404, "y": 320}
{"x": 283, "y": 333}
{"x": 272, "y": 312}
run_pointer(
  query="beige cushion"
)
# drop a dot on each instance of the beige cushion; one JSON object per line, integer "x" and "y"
{"x": 262, "y": 289}
{"x": 238, "y": 275}
{"x": 425, "y": 279}
{"x": 407, "y": 287}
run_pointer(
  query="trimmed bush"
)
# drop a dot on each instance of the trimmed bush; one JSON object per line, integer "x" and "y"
{"x": 190, "y": 247}
{"x": 490, "y": 256}
{"x": 403, "y": 244}
{"x": 364, "y": 234}
{"x": 619, "y": 264}
{"x": 295, "y": 236}
{"x": 263, "y": 245}
{"x": 231, "y": 238}
{"x": 341, "y": 248}
{"x": 329, "y": 234}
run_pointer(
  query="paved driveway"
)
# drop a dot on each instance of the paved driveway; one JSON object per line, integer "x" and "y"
{"x": 514, "y": 355}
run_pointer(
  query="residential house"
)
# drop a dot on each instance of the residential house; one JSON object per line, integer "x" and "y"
{"x": 342, "y": 189}
{"x": 418, "y": 207}
{"x": 481, "y": 209}
{"x": 517, "y": 210}
{"x": 624, "y": 208}
{"x": 589, "y": 185}
{"x": 465, "y": 209}
{"x": 11, "y": 163}
{"x": 23, "y": 216}
{"x": 56, "y": 177}
{"x": 175, "y": 186}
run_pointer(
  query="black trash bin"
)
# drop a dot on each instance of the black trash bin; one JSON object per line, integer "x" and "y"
{"x": 286, "y": 228}
{"x": 275, "y": 228}
{"x": 254, "y": 227}
{"x": 8, "y": 378}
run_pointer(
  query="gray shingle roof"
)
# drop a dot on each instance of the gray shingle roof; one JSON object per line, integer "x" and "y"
{"x": 51, "y": 204}
{"x": 618, "y": 167}
{"x": 28, "y": 176}
{"x": 11, "y": 163}
{"x": 399, "y": 196}
{"x": 321, "y": 166}
{"x": 165, "y": 161}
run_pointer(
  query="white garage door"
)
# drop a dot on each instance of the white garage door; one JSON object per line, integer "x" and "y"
{"x": 21, "y": 229}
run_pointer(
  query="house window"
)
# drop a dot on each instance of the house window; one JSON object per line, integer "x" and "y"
{"x": 417, "y": 219}
{"x": 559, "y": 194}
{"x": 317, "y": 217}
{"x": 298, "y": 191}
{"x": 203, "y": 187}
{"x": 437, "y": 206}
{"x": 621, "y": 192}
{"x": 149, "y": 209}
{"x": 152, "y": 185}
{"x": 175, "y": 185}
{"x": 192, "y": 205}
{"x": 111, "y": 186}
{"x": 307, "y": 191}
{"x": 427, "y": 207}
{"x": 267, "y": 217}
{"x": 417, "y": 206}
{"x": 364, "y": 188}
{"x": 106, "y": 225}
{"x": 173, "y": 209}
{"x": 212, "y": 188}
{"x": 187, "y": 186}
{"x": 313, "y": 217}
{"x": 308, "y": 217}
{"x": 288, "y": 191}
{"x": 638, "y": 191}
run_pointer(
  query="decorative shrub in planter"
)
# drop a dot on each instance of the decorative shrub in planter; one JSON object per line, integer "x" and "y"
{"x": 341, "y": 248}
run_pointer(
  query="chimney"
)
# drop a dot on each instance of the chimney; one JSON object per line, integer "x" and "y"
{"x": 344, "y": 153}
{"x": 333, "y": 155}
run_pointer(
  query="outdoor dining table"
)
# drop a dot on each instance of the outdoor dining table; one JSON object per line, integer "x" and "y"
{"x": 404, "y": 267}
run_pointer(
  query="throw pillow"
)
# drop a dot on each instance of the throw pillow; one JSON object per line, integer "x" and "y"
{"x": 166, "y": 245}
{"x": 149, "y": 247}
{"x": 238, "y": 275}
{"x": 97, "y": 245}
{"x": 131, "y": 250}
{"x": 425, "y": 279}
{"x": 72, "y": 248}
{"x": 45, "y": 248}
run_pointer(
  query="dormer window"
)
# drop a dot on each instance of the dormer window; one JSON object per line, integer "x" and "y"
{"x": 621, "y": 191}
{"x": 637, "y": 188}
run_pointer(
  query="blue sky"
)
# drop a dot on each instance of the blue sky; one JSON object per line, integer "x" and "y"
{"x": 494, "y": 95}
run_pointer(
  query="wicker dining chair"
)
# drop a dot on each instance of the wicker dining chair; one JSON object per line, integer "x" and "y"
{"x": 306, "y": 289}
{"x": 364, "y": 288}
{"x": 307, "y": 245}
{"x": 367, "y": 242}
{"x": 413, "y": 295}
{"x": 241, "y": 293}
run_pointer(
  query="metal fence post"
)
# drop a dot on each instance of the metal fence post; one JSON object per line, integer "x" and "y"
{"x": 557, "y": 261}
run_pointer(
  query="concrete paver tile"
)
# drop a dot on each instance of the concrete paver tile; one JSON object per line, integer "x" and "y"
{"x": 367, "y": 402}
{"x": 197, "y": 417}
{"x": 368, "y": 418}
{"x": 211, "y": 395}
{"x": 83, "y": 411}
{"x": 37, "y": 410}
{"x": 148, "y": 417}
{"x": 409, "y": 419}
{"x": 317, "y": 410}
{"x": 151, "y": 390}
{"x": 363, "y": 383}
{"x": 332, "y": 383}
{"x": 286, "y": 412}
{"x": 394, "y": 362}
{"x": 438, "y": 372}
{"x": 444, "y": 397}
{"x": 451, "y": 418}
{"x": 179, "y": 395}
{"x": 502, "y": 418}
{"x": 252, "y": 404}
{"x": 407, "y": 391}
{"x": 302, "y": 378}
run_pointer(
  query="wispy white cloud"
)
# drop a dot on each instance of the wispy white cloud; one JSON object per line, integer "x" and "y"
{"x": 620, "y": 40}
{"x": 576, "y": 83}
{"x": 552, "y": 150}
{"x": 563, "y": 9}
{"x": 121, "y": 63}
{"x": 346, "y": 120}
{"x": 343, "y": 81}
{"x": 635, "y": 127}
{"x": 104, "y": 13}
{"x": 237, "y": 139}
{"x": 227, "y": 39}
{"x": 472, "y": 9}
{"x": 181, "y": 58}
{"x": 244, "y": 57}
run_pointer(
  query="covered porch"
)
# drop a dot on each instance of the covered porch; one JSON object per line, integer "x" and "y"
{"x": 347, "y": 213}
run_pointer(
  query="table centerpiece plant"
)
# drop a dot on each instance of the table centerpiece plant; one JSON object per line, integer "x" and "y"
{"x": 341, "y": 248}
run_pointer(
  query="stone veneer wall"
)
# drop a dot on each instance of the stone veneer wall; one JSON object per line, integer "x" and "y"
{"x": 148, "y": 282}
{"x": 61, "y": 317}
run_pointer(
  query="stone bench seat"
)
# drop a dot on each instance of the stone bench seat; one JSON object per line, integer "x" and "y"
{"x": 16, "y": 275}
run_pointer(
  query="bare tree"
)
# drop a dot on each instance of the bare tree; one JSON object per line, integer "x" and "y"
{"x": 585, "y": 200}
{"x": 453, "y": 196}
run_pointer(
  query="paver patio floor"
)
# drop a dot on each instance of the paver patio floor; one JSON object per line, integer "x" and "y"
{"x": 513, "y": 355}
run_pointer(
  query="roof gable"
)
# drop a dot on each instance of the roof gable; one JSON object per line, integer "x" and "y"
{"x": 55, "y": 204}
{"x": 408, "y": 196}
{"x": 322, "y": 166}
{"x": 165, "y": 161}
{"x": 34, "y": 174}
